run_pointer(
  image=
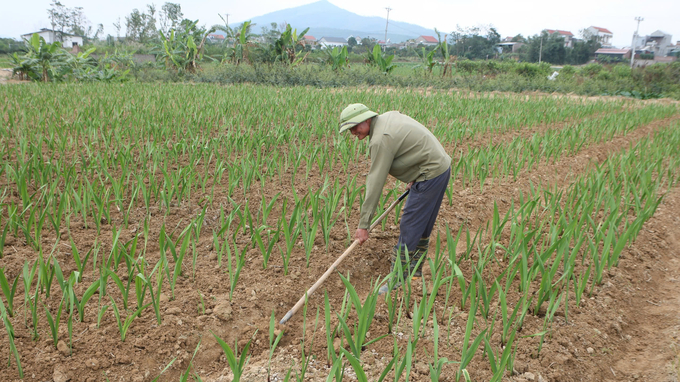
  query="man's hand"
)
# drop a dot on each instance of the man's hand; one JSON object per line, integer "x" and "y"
{"x": 361, "y": 235}
{"x": 408, "y": 186}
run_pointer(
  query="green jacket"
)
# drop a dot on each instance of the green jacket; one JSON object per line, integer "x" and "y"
{"x": 402, "y": 147}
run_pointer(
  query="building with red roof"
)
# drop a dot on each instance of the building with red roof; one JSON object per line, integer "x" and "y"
{"x": 613, "y": 54}
{"x": 604, "y": 36}
{"x": 426, "y": 40}
{"x": 309, "y": 40}
{"x": 568, "y": 36}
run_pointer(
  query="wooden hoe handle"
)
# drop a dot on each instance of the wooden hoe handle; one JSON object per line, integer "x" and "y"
{"x": 337, "y": 262}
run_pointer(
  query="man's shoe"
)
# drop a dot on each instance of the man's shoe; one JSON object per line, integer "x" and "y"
{"x": 386, "y": 287}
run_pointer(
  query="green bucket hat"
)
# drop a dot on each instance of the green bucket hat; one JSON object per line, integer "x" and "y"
{"x": 353, "y": 115}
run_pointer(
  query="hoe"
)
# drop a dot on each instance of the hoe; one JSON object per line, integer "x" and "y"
{"x": 337, "y": 262}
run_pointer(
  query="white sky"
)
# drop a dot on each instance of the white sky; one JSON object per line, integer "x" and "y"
{"x": 527, "y": 17}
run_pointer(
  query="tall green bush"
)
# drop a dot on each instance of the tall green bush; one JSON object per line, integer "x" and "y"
{"x": 591, "y": 70}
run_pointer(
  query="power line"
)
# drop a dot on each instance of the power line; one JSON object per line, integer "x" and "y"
{"x": 394, "y": 25}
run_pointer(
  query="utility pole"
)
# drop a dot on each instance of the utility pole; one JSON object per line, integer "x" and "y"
{"x": 387, "y": 22}
{"x": 228, "y": 31}
{"x": 540, "y": 50}
{"x": 632, "y": 46}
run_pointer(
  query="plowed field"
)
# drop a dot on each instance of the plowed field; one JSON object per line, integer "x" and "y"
{"x": 142, "y": 222}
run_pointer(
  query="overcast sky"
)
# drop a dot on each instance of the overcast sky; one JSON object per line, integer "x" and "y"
{"x": 527, "y": 17}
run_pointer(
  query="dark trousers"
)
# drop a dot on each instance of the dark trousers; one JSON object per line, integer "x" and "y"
{"x": 421, "y": 210}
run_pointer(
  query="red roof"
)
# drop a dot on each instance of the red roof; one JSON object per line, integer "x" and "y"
{"x": 563, "y": 33}
{"x": 216, "y": 36}
{"x": 429, "y": 39}
{"x": 310, "y": 38}
{"x": 603, "y": 30}
{"x": 612, "y": 51}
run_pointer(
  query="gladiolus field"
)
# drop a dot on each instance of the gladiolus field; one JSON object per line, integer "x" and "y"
{"x": 159, "y": 232}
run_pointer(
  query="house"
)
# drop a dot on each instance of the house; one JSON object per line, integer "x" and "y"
{"x": 568, "y": 36}
{"x": 613, "y": 54}
{"x": 357, "y": 38}
{"x": 660, "y": 43}
{"x": 332, "y": 42}
{"x": 426, "y": 40}
{"x": 639, "y": 42}
{"x": 675, "y": 52}
{"x": 309, "y": 40}
{"x": 604, "y": 36}
{"x": 67, "y": 40}
{"x": 511, "y": 46}
{"x": 216, "y": 38}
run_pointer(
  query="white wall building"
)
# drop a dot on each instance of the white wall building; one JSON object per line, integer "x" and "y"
{"x": 332, "y": 42}
{"x": 567, "y": 35}
{"x": 50, "y": 36}
{"x": 659, "y": 42}
{"x": 604, "y": 35}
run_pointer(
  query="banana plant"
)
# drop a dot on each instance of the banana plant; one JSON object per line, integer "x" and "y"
{"x": 183, "y": 47}
{"x": 444, "y": 50}
{"x": 239, "y": 52}
{"x": 44, "y": 57}
{"x": 81, "y": 62}
{"x": 21, "y": 66}
{"x": 382, "y": 61}
{"x": 337, "y": 58}
{"x": 427, "y": 58}
{"x": 285, "y": 46}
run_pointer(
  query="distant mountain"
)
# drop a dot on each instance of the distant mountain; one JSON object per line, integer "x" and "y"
{"x": 326, "y": 19}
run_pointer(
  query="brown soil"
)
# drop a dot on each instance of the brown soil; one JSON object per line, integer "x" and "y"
{"x": 7, "y": 78}
{"x": 631, "y": 324}
{"x": 647, "y": 293}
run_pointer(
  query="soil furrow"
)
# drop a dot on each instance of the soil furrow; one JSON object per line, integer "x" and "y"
{"x": 261, "y": 291}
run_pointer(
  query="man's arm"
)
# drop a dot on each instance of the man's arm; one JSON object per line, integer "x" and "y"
{"x": 381, "y": 161}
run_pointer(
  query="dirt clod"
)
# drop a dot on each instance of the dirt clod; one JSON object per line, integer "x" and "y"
{"x": 223, "y": 311}
{"x": 92, "y": 363}
{"x": 60, "y": 376}
{"x": 63, "y": 348}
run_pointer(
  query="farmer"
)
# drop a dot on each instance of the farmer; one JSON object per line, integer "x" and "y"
{"x": 407, "y": 150}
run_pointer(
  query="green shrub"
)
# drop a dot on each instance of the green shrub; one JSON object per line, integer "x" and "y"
{"x": 604, "y": 75}
{"x": 567, "y": 71}
{"x": 526, "y": 69}
{"x": 654, "y": 73}
{"x": 591, "y": 70}
{"x": 545, "y": 68}
{"x": 621, "y": 71}
{"x": 673, "y": 74}
{"x": 466, "y": 66}
{"x": 511, "y": 77}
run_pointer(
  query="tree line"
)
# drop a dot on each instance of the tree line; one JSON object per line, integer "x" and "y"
{"x": 182, "y": 44}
